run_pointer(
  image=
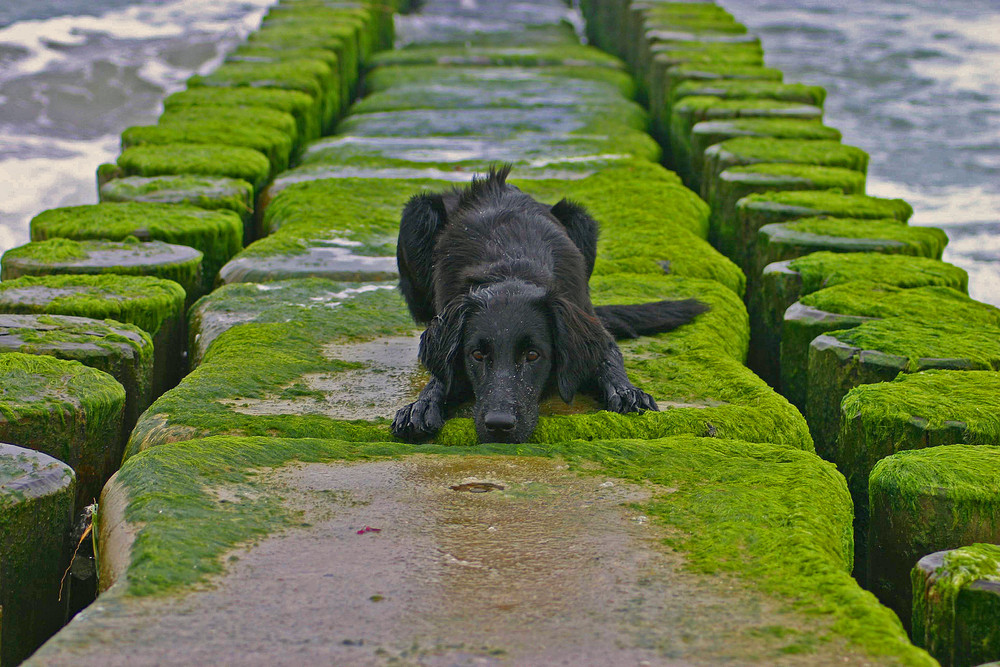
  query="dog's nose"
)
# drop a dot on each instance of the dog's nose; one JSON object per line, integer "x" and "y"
{"x": 499, "y": 421}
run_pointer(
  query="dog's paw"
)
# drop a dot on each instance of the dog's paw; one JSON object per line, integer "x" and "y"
{"x": 418, "y": 421}
{"x": 628, "y": 399}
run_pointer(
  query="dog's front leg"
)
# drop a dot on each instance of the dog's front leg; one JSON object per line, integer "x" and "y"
{"x": 616, "y": 392}
{"x": 424, "y": 417}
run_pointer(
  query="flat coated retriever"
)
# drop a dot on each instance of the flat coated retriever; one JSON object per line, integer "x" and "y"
{"x": 502, "y": 283}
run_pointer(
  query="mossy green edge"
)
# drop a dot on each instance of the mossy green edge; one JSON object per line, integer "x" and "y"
{"x": 275, "y": 145}
{"x": 764, "y": 528}
{"x": 60, "y": 256}
{"x": 217, "y": 234}
{"x": 210, "y": 193}
{"x": 783, "y": 206}
{"x": 197, "y": 159}
{"x": 787, "y": 240}
{"x": 935, "y": 597}
{"x": 140, "y": 300}
{"x": 300, "y": 105}
{"x": 826, "y": 269}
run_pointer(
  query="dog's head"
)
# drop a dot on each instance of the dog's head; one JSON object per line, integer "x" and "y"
{"x": 512, "y": 340}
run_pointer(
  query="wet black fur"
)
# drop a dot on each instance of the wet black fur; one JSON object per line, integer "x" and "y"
{"x": 488, "y": 268}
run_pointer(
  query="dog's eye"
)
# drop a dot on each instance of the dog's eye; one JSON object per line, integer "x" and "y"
{"x": 478, "y": 355}
{"x": 531, "y": 355}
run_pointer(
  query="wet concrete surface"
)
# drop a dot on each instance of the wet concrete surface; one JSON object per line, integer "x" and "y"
{"x": 426, "y": 561}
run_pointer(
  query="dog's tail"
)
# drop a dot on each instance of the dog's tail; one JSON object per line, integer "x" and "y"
{"x": 645, "y": 319}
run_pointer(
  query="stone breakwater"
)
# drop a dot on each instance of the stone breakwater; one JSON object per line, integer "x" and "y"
{"x": 223, "y": 326}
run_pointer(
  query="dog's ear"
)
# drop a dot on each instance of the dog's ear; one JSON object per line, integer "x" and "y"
{"x": 423, "y": 217}
{"x": 580, "y": 342}
{"x": 441, "y": 342}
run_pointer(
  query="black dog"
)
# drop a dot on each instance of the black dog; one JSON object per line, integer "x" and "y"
{"x": 501, "y": 281}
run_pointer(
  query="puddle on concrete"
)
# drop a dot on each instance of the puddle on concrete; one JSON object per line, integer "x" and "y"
{"x": 388, "y": 565}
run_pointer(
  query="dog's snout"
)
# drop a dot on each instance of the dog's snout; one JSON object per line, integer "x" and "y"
{"x": 497, "y": 420}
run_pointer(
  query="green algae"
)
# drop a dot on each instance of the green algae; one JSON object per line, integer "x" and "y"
{"x": 885, "y": 416}
{"x": 211, "y": 193}
{"x": 123, "y": 351}
{"x": 386, "y": 77}
{"x": 929, "y": 303}
{"x": 151, "y": 258}
{"x": 937, "y": 614}
{"x": 764, "y": 528}
{"x": 749, "y": 150}
{"x": 567, "y": 55}
{"x": 299, "y": 105}
{"x": 744, "y": 88}
{"x": 273, "y": 144}
{"x": 218, "y": 116}
{"x": 36, "y": 516}
{"x": 217, "y": 234}
{"x": 780, "y": 241}
{"x": 783, "y": 206}
{"x": 140, "y": 300}
{"x": 826, "y": 269}
{"x": 312, "y": 77}
{"x": 365, "y": 212}
{"x": 280, "y": 301}
{"x": 926, "y": 500}
{"x": 65, "y": 409}
{"x": 921, "y": 343}
{"x": 709, "y": 132}
{"x": 237, "y": 162}
{"x": 728, "y": 231}
{"x": 850, "y": 304}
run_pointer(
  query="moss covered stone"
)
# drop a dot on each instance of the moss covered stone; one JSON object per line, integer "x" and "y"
{"x": 221, "y": 115}
{"x": 202, "y": 191}
{"x": 877, "y": 351}
{"x": 312, "y": 77}
{"x": 66, "y": 410}
{"x": 57, "y": 256}
{"x": 763, "y": 530}
{"x": 197, "y": 160}
{"x": 751, "y": 150}
{"x": 928, "y": 500}
{"x": 123, "y": 351}
{"x": 456, "y": 158}
{"x": 688, "y": 111}
{"x": 750, "y": 88}
{"x": 757, "y": 210}
{"x": 316, "y": 371}
{"x": 738, "y": 242}
{"x": 925, "y": 409}
{"x": 782, "y": 283}
{"x": 675, "y": 67}
{"x": 527, "y": 90}
{"x": 787, "y": 240}
{"x": 387, "y": 78}
{"x": 36, "y": 513}
{"x": 850, "y": 304}
{"x": 216, "y": 234}
{"x": 956, "y": 600}
{"x": 301, "y": 106}
{"x": 153, "y": 304}
{"x": 565, "y": 55}
{"x": 290, "y": 35}
{"x": 280, "y": 301}
{"x": 710, "y": 132}
{"x": 275, "y": 145}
